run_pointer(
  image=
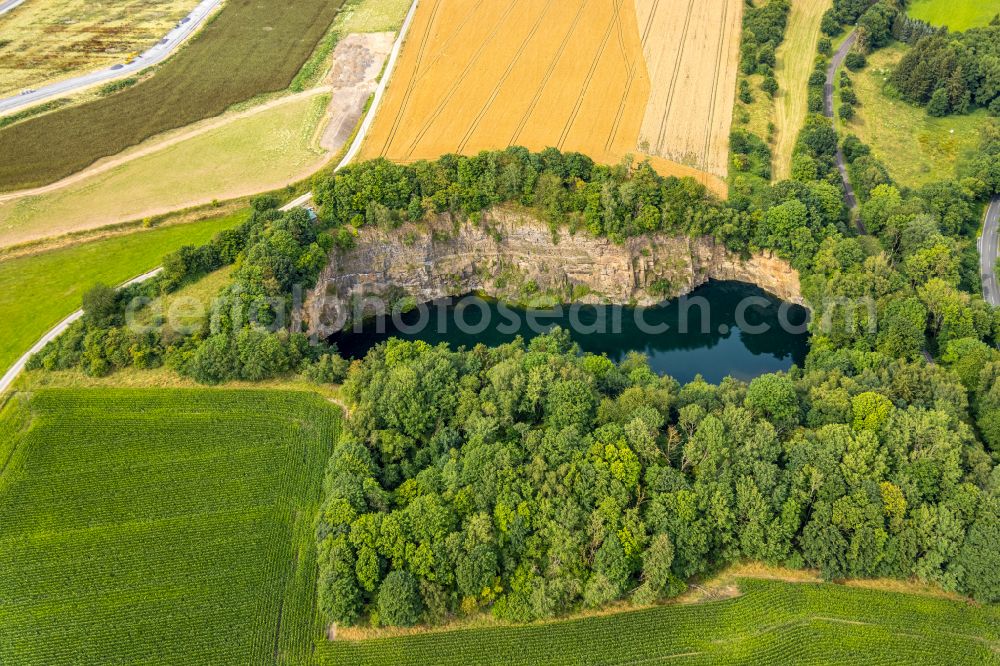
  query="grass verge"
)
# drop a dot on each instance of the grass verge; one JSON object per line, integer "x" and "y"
{"x": 39, "y": 290}
{"x": 259, "y": 152}
{"x": 917, "y": 148}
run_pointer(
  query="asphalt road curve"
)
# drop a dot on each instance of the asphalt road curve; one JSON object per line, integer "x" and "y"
{"x": 988, "y": 253}
{"x": 831, "y": 76}
{"x": 157, "y": 54}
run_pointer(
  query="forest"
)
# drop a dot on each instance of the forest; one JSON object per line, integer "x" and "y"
{"x": 531, "y": 480}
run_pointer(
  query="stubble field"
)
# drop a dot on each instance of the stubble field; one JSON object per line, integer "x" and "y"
{"x": 575, "y": 74}
{"x": 691, "y": 48}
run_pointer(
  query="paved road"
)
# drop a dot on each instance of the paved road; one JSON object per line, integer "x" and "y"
{"x": 8, "y": 5}
{"x": 156, "y": 54}
{"x": 988, "y": 243}
{"x": 831, "y": 76}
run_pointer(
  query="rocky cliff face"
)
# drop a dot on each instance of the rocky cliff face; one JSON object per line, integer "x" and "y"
{"x": 519, "y": 259}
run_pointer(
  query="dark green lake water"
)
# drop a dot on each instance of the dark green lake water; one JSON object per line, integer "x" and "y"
{"x": 721, "y": 329}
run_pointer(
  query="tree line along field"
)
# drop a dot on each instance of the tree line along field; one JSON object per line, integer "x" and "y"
{"x": 603, "y": 77}
{"x": 250, "y": 47}
{"x": 160, "y": 526}
{"x": 44, "y": 41}
{"x": 771, "y": 622}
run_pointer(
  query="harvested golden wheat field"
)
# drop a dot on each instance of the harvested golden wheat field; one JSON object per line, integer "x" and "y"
{"x": 607, "y": 78}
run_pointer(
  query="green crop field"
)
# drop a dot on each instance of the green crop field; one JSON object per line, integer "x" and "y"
{"x": 772, "y": 622}
{"x": 37, "y": 291}
{"x": 160, "y": 526}
{"x": 250, "y": 48}
{"x": 958, "y": 15}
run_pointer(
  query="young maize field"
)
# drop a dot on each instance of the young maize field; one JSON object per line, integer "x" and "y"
{"x": 772, "y": 622}
{"x": 160, "y": 526}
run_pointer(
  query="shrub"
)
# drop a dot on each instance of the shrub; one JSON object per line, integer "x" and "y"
{"x": 855, "y": 61}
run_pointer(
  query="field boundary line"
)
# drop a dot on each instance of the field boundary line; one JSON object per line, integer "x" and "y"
{"x": 673, "y": 81}
{"x": 630, "y": 79}
{"x": 503, "y": 79}
{"x": 461, "y": 79}
{"x": 715, "y": 87}
{"x": 548, "y": 74}
{"x": 590, "y": 77}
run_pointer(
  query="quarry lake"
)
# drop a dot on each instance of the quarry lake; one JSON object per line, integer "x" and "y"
{"x": 721, "y": 329}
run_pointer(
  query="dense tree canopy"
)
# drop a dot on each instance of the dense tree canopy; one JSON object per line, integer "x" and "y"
{"x": 530, "y": 480}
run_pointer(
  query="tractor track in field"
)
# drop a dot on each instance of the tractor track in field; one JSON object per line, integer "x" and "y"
{"x": 503, "y": 79}
{"x": 411, "y": 84}
{"x": 419, "y": 75}
{"x": 630, "y": 79}
{"x": 548, "y": 74}
{"x": 564, "y": 135}
{"x": 715, "y": 88}
{"x": 649, "y": 23}
{"x": 673, "y": 81}
{"x": 458, "y": 82}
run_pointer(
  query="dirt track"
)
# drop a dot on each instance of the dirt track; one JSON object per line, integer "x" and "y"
{"x": 480, "y": 74}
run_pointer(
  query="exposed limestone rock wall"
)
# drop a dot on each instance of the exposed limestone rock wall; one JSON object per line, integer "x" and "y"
{"x": 518, "y": 259}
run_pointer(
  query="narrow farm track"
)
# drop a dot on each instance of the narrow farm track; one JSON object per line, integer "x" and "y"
{"x": 156, "y": 146}
{"x": 831, "y": 74}
{"x": 12, "y": 373}
{"x": 521, "y": 51}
